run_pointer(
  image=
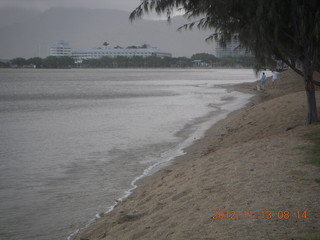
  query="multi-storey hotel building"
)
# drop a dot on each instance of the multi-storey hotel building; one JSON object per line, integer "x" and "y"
{"x": 81, "y": 54}
{"x": 62, "y": 49}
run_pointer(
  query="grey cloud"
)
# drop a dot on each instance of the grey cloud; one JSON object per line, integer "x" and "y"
{"x": 127, "y": 5}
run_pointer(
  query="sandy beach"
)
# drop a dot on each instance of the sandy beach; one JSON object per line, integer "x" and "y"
{"x": 253, "y": 166}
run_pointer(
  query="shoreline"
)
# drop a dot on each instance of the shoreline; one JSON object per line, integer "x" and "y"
{"x": 177, "y": 201}
{"x": 203, "y": 124}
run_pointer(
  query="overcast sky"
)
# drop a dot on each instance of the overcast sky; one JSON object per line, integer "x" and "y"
{"x": 127, "y": 5}
{"x": 23, "y": 33}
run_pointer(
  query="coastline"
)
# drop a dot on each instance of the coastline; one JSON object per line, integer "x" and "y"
{"x": 250, "y": 161}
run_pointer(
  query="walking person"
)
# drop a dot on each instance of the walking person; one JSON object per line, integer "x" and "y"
{"x": 263, "y": 81}
{"x": 274, "y": 77}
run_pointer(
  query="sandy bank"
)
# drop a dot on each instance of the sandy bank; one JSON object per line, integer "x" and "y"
{"x": 254, "y": 160}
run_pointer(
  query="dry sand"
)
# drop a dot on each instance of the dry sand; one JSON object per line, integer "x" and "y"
{"x": 254, "y": 160}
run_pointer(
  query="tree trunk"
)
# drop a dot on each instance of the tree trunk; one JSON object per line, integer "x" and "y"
{"x": 311, "y": 94}
{"x": 312, "y": 105}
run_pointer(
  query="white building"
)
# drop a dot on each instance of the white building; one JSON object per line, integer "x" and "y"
{"x": 60, "y": 49}
{"x": 82, "y": 54}
{"x": 231, "y": 50}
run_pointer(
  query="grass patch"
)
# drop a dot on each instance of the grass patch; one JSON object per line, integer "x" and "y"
{"x": 316, "y": 237}
{"x": 314, "y": 152}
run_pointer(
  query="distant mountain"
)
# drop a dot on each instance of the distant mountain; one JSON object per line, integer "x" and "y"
{"x": 10, "y": 15}
{"x": 86, "y": 28}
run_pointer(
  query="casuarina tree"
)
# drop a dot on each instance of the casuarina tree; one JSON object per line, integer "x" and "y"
{"x": 288, "y": 30}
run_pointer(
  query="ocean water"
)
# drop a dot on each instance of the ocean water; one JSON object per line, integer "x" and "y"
{"x": 74, "y": 141}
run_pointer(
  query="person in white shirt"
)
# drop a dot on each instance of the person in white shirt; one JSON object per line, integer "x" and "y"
{"x": 274, "y": 77}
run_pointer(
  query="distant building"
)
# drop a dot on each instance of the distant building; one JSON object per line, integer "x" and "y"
{"x": 197, "y": 63}
{"x": 82, "y": 54}
{"x": 63, "y": 48}
{"x": 231, "y": 50}
{"x": 60, "y": 49}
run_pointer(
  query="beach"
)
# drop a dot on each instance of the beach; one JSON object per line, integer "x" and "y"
{"x": 248, "y": 178}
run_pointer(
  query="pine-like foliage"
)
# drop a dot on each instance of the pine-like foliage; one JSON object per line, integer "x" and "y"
{"x": 288, "y": 30}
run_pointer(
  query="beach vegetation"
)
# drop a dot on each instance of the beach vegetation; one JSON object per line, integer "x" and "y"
{"x": 36, "y": 61}
{"x": 244, "y": 61}
{"x": 19, "y": 62}
{"x": 207, "y": 60}
{"x": 286, "y": 30}
{"x": 57, "y": 62}
{"x": 206, "y": 57}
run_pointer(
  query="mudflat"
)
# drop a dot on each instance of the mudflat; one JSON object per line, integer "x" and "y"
{"x": 248, "y": 178}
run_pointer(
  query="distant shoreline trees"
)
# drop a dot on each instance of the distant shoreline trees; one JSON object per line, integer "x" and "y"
{"x": 203, "y": 60}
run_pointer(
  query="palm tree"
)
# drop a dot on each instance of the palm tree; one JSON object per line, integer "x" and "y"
{"x": 105, "y": 44}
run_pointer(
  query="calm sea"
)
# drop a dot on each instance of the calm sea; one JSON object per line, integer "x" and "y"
{"x": 74, "y": 141}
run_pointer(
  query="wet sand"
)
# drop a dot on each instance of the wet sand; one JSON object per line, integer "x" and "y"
{"x": 253, "y": 166}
